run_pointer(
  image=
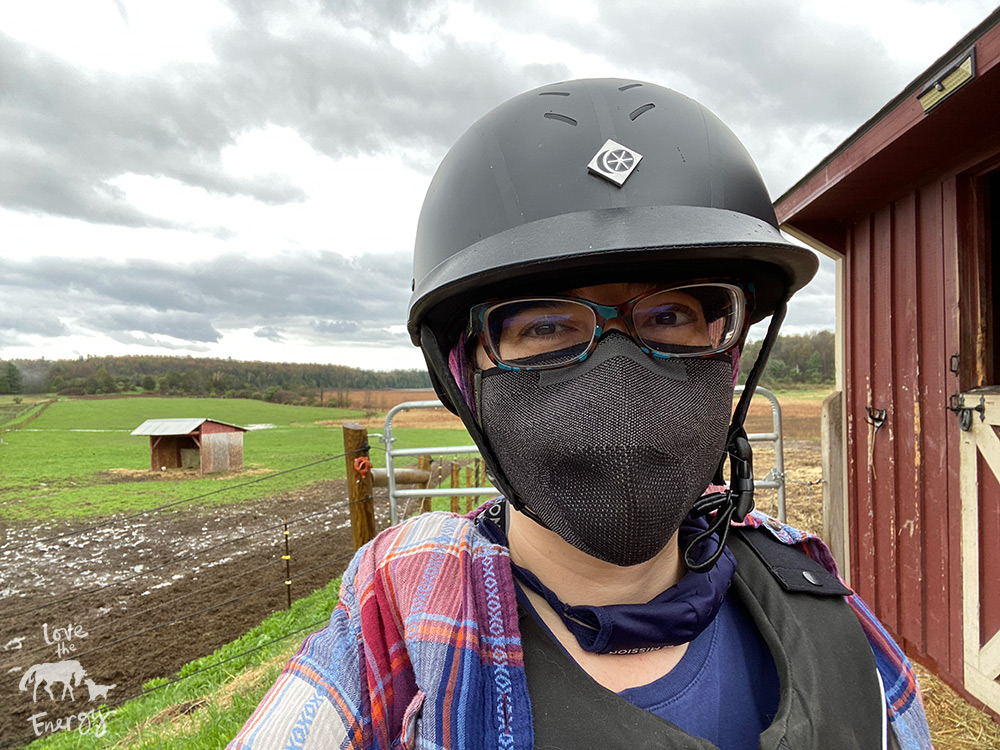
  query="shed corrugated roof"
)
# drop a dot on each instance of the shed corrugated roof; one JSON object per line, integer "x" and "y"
{"x": 175, "y": 426}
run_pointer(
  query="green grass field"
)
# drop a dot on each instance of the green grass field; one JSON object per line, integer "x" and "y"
{"x": 62, "y": 464}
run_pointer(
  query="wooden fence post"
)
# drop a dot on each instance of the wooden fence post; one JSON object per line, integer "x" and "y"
{"x": 424, "y": 464}
{"x": 359, "y": 483}
{"x": 456, "y": 482}
{"x": 468, "y": 483}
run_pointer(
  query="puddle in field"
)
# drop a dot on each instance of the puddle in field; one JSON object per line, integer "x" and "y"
{"x": 68, "y": 429}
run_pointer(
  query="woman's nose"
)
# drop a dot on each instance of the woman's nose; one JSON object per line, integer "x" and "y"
{"x": 615, "y": 324}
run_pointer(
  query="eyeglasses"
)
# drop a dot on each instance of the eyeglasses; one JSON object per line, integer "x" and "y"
{"x": 540, "y": 333}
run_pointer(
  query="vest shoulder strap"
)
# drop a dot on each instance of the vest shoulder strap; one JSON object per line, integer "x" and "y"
{"x": 830, "y": 691}
{"x": 791, "y": 568}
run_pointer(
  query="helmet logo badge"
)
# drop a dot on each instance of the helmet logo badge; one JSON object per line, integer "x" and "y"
{"x": 614, "y": 162}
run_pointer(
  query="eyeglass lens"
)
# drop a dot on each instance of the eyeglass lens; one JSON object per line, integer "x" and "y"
{"x": 550, "y": 332}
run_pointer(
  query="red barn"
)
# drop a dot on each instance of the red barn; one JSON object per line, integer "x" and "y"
{"x": 909, "y": 206}
{"x": 203, "y": 444}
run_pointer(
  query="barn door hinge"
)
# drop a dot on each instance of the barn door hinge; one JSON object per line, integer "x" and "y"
{"x": 956, "y": 403}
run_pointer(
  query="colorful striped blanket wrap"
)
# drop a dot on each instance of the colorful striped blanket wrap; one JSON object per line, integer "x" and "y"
{"x": 423, "y": 650}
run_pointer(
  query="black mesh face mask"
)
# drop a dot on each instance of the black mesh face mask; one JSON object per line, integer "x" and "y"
{"x": 612, "y": 453}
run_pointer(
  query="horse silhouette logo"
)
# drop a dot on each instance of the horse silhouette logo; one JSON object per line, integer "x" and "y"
{"x": 47, "y": 674}
{"x": 98, "y": 691}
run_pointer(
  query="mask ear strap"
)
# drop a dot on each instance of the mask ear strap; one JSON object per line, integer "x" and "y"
{"x": 737, "y": 501}
{"x": 437, "y": 362}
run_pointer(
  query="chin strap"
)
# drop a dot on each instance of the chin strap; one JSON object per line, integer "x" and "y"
{"x": 734, "y": 502}
{"x": 737, "y": 500}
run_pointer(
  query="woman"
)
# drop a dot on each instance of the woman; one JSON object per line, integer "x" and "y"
{"x": 589, "y": 258}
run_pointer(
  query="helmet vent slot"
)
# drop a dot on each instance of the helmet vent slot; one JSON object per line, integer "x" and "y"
{"x": 640, "y": 110}
{"x": 628, "y": 86}
{"x": 560, "y": 118}
{"x": 553, "y": 93}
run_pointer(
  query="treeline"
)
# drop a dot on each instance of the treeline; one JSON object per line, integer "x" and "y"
{"x": 196, "y": 376}
{"x": 805, "y": 359}
{"x": 802, "y": 359}
{"x": 11, "y": 380}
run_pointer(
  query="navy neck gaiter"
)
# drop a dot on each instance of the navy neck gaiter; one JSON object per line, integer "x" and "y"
{"x": 677, "y": 615}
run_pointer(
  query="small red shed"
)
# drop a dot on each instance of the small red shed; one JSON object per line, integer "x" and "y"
{"x": 909, "y": 207}
{"x": 204, "y": 444}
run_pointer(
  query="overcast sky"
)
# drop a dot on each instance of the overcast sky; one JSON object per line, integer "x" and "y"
{"x": 242, "y": 179}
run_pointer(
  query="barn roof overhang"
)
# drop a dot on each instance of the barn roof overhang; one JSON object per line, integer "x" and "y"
{"x": 902, "y": 146}
{"x": 177, "y": 426}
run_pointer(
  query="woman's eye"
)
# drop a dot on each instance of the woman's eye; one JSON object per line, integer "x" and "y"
{"x": 542, "y": 328}
{"x": 674, "y": 316}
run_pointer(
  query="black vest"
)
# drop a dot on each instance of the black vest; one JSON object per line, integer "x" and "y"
{"x": 830, "y": 694}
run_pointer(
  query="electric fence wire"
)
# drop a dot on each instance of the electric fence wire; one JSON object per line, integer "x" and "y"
{"x": 137, "y": 514}
{"x": 301, "y": 550}
{"x": 173, "y": 601}
{"x": 71, "y": 597}
{"x": 211, "y": 608}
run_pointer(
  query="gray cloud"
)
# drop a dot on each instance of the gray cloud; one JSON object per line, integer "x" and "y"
{"x": 382, "y": 16}
{"x": 335, "y": 327}
{"x": 30, "y": 320}
{"x": 270, "y": 333}
{"x": 68, "y": 131}
{"x": 131, "y": 339}
{"x": 314, "y": 296}
{"x": 122, "y": 10}
{"x": 773, "y": 73}
{"x": 185, "y": 326}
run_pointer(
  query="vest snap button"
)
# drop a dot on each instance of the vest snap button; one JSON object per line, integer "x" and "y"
{"x": 811, "y": 577}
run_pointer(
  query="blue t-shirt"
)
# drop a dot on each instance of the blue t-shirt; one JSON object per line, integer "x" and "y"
{"x": 724, "y": 689}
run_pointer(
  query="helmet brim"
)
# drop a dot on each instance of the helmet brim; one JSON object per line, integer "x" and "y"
{"x": 648, "y": 243}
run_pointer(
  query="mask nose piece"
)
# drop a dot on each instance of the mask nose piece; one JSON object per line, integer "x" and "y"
{"x": 611, "y": 345}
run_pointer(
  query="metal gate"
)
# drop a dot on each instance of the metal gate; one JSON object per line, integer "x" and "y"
{"x": 979, "y": 415}
{"x": 774, "y": 479}
{"x": 390, "y": 461}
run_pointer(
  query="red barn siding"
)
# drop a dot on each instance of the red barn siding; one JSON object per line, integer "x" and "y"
{"x": 909, "y": 519}
{"x": 903, "y": 489}
{"x": 931, "y": 429}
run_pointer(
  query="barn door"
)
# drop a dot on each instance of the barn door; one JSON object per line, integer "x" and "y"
{"x": 980, "y": 482}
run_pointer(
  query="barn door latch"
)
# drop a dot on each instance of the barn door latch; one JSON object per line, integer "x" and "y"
{"x": 956, "y": 403}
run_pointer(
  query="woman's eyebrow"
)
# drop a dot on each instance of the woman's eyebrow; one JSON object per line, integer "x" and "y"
{"x": 631, "y": 289}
